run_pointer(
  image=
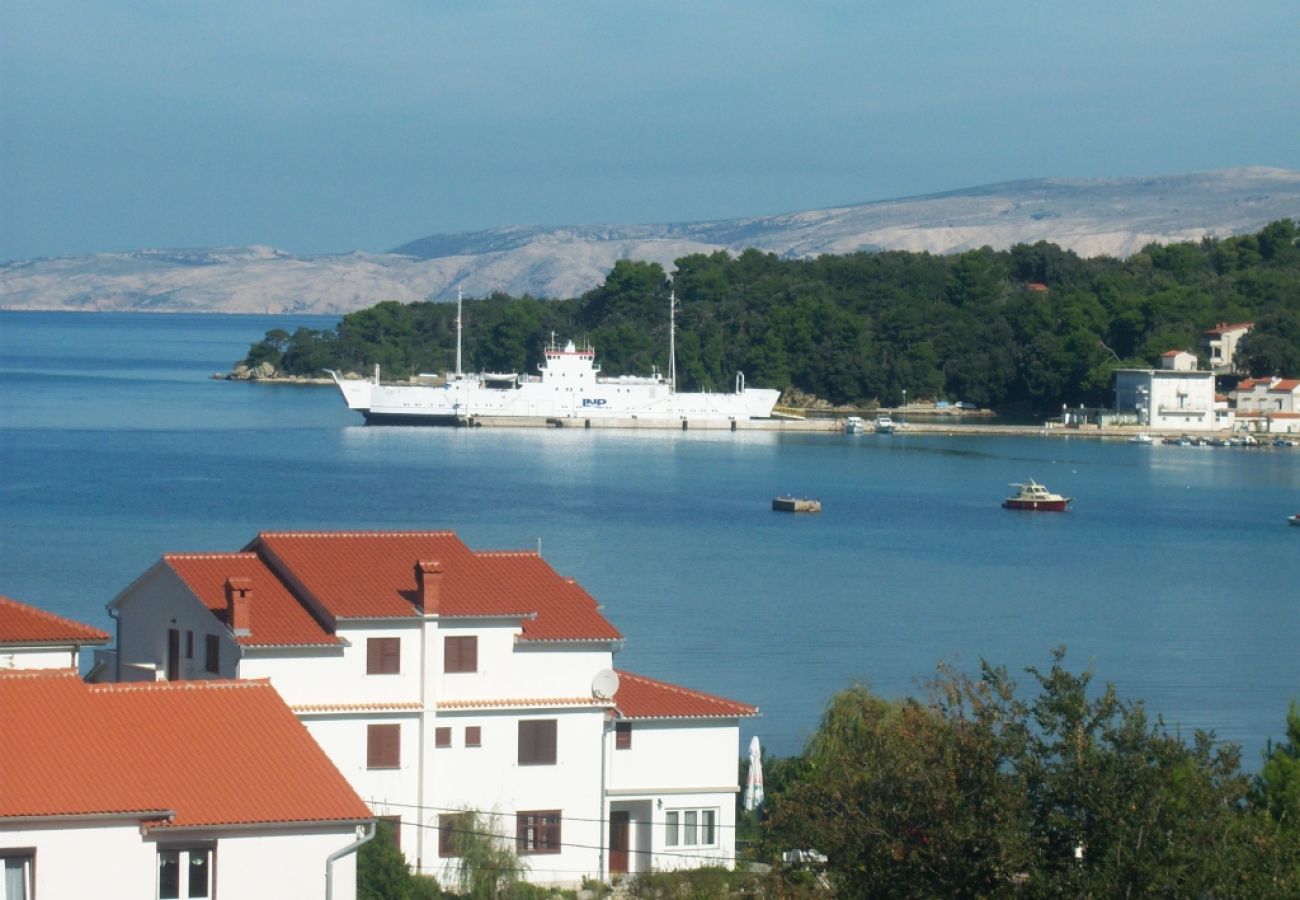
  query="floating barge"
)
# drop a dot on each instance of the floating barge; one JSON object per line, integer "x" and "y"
{"x": 796, "y": 505}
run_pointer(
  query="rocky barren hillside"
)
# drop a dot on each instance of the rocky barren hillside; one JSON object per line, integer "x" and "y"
{"x": 1114, "y": 217}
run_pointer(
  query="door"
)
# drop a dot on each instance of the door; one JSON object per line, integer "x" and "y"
{"x": 618, "y": 843}
{"x": 173, "y": 654}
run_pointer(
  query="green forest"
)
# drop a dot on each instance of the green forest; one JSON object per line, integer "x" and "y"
{"x": 1022, "y": 330}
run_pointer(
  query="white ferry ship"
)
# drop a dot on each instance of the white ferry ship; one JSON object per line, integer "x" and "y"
{"x": 568, "y": 386}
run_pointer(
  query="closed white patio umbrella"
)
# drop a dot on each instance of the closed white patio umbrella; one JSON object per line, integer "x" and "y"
{"x": 754, "y": 784}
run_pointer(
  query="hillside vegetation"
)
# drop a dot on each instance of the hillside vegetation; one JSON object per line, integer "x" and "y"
{"x": 1026, "y": 329}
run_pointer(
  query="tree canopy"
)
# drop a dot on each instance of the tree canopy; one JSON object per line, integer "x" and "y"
{"x": 1025, "y": 329}
{"x": 976, "y": 791}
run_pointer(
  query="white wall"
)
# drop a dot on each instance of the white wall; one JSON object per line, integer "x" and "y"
{"x": 111, "y": 860}
{"x": 490, "y": 779}
{"x": 338, "y": 675}
{"x": 511, "y": 670}
{"x": 343, "y": 738}
{"x": 677, "y": 754}
{"x": 13, "y": 656}
{"x": 161, "y": 601}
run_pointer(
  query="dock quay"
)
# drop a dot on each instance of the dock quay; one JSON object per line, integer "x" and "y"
{"x": 952, "y": 427}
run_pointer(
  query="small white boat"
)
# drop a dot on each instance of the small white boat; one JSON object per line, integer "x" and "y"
{"x": 1033, "y": 496}
{"x": 854, "y": 425}
{"x": 884, "y": 425}
{"x": 1141, "y": 438}
{"x": 1294, "y": 520}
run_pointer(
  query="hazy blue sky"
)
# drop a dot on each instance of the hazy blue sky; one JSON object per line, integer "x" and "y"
{"x": 329, "y": 126}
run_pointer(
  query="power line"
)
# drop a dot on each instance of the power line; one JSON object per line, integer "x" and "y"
{"x": 711, "y": 857}
{"x": 488, "y": 812}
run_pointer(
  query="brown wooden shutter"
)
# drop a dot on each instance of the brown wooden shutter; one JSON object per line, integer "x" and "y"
{"x": 623, "y": 736}
{"x": 537, "y": 742}
{"x": 442, "y": 736}
{"x": 383, "y": 656}
{"x": 460, "y": 654}
{"x": 473, "y": 736}
{"x": 383, "y": 746}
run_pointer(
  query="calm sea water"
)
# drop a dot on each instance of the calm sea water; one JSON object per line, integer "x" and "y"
{"x": 1175, "y": 575}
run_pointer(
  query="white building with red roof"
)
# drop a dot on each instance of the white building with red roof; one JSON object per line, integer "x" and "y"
{"x": 1220, "y": 343}
{"x": 32, "y": 638}
{"x": 169, "y": 790}
{"x": 1268, "y": 405}
{"x": 442, "y": 680}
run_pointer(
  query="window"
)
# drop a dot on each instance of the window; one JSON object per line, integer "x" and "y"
{"x": 383, "y": 656}
{"x": 383, "y": 746}
{"x": 538, "y": 832}
{"x": 622, "y": 735}
{"x": 19, "y": 873}
{"x": 184, "y": 872}
{"x": 448, "y": 827}
{"x": 442, "y": 736}
{"x": 460, "y": 654}
{"x": 537, "y": 742}
{"x": 473, "y": 736}
{"x": 213, "y": 654}
{"x": 691, "y": 828}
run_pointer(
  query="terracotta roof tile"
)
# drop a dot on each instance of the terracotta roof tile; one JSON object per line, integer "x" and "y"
{"x": 212, "y": 752}
{"x": 277, "y": 617}
{"x": 513, "y": 702}
{"x": 1285, "y": 385}
{"x": 372, "y": 575}
{"x": 23, "y": 624}
{"x": 1226, "y": 326}
{"x": 639, "y": 697}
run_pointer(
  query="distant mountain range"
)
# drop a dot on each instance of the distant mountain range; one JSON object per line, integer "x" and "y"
{"x": 1114, "y": 217}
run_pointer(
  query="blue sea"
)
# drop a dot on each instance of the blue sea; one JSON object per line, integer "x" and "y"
{"x": 1175, "y": 575}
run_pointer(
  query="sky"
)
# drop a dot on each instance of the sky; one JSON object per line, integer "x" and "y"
{"x": 326, "y": 126}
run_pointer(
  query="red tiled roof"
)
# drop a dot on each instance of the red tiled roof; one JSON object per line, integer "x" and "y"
{"x": 513, "y": 702}
{"x": 372, "y": 575}
{"x": 211, "y": 752}
{"x": 639, "y": 697}
{"x": 1248, "y": 384}
{"x": 1224, "y": 326}
{"x": 1285, "y": 386}
{"x": 23, "y": 624}
{"x": 276, "y": 616}
{"x": 1172, "y": 352}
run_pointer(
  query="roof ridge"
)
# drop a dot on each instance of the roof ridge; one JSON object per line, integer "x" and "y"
{"x": 206, "y": 684}
{"x": 529, "y": 553}
{"x": 354, "y": 534}
{"x": 214, "y": 554}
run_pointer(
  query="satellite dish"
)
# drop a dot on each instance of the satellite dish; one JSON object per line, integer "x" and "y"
{"x": 605, "y": 685}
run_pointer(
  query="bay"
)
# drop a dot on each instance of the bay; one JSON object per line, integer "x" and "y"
{"x": 1174, "y": 576}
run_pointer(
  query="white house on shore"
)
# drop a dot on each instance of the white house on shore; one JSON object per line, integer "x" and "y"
{"x": 32, "y": 638}
{"x": 1220, "y": 343}
{"x": 183, "y": 790}
{"x": 442, "y": 680}
{"x": 1177, "y": 396}
{"x": 1268, "y": 405}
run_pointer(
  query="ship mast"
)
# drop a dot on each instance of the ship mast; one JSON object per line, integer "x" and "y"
{"x": 672, "y": 341}
{"x": 459, "y": 297}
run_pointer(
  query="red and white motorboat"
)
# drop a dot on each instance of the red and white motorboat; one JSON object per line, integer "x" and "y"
{"x": 1034, "y": 496}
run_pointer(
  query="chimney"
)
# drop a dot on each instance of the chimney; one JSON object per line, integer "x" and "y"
{"x": 239, "y": 598}
{"x": 428, "y": 576}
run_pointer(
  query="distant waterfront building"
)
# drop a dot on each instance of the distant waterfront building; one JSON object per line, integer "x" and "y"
{"x": 1220, "y": 343}
{"x": 1268, "y": 405}
{"x": 167, "y": 790}
{"x": 1177, "y": 396}
{"x": 443, "y": 680}
{"x": 32, "y": 638}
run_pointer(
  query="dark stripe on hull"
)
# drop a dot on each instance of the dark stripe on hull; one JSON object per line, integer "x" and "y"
{"x": 405, "y": 419}
{"x": 1036, "y": 505}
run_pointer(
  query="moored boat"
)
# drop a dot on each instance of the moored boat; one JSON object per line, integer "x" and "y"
{"x": 1033, "y": 496}
{"x": 1140, "y": 438}
{"x": 568, "y": 386}
{"x": 884, "y": 425}
{"x": 854, "y": 425}
{"x": 1294, "y": 520}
